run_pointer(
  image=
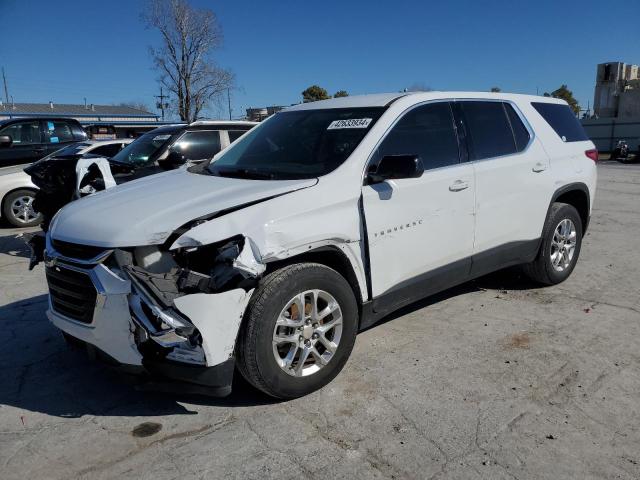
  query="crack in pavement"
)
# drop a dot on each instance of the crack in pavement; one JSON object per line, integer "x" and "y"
{"x": 195, "y": 433}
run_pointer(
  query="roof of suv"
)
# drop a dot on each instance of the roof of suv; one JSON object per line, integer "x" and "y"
{"x": 203, "y": 125}
{"x": 31, "y": 119}
{"x": 384, "y": 99}
{"x": 224, "y": 124}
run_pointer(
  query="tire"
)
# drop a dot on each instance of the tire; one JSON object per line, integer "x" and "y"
{"x": 17, "y": 208}
{"x": 256, "y": 352}
{"x": 542, "y": 269}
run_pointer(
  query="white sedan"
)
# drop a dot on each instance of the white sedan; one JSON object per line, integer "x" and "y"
{"x": 17, "y": 191}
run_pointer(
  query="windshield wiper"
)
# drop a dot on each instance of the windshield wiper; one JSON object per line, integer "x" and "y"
{"x": 248, "y": 173}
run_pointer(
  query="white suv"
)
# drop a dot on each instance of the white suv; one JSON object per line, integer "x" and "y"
{"x": 315, "y": 224}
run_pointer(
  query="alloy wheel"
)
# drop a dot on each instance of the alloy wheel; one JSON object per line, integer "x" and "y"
{"x": 563, "y": 245}
{"x": 307, "y": 333}
{"x": 22, "y": 209}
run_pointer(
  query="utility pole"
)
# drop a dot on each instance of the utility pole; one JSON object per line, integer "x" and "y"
{"x": 6, "y": 91}
{"x": 229, "y": 101}
{"x": 161, "y": 103}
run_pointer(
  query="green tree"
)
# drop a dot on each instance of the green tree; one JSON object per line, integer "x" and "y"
{"x": 314, "y": 93}
{"x": 341, "y": 93}
{"x": 496, "y": 89}
{"x": 567, "y": 95}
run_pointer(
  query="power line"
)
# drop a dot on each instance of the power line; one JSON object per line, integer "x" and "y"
{"x": 161, "y": 103}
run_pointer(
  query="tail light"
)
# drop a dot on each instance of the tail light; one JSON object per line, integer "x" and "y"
{"x": 592, "y": 154}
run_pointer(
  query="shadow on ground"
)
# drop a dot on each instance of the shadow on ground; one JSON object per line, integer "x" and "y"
{"x": 507, "y": 279}
{"x": 42, "y": 374}
{"x": 12, "y": 243}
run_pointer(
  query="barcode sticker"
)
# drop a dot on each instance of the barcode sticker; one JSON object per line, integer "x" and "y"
{"x": 350, "y": 123}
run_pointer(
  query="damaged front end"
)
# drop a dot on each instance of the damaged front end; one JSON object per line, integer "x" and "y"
{"x": 62, "y": 179}
{"x": 176, "y": 313}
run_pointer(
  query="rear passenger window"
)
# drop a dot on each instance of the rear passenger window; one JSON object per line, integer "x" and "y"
{"x": 562, "y": 120}
{"x": 58, "y": 131}
{"x": 488, "y": 130}
{"x": 426, "y": 131}
{"x": 520, "y": 132}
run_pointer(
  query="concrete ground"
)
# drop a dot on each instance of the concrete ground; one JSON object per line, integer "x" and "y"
{"x": 494, "y": 379}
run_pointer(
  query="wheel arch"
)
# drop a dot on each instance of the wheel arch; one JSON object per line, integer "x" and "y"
{"x": 576, "y": 195}
{"x": 330, "y": 256}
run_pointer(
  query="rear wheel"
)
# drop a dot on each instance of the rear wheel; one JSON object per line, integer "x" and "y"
{"x": 560, "y": 248}
{"x": 17, "y": 208}
{"x": 299, "y": 330}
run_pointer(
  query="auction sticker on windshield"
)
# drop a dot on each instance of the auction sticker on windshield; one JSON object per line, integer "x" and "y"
{"x": 350, "y": 123}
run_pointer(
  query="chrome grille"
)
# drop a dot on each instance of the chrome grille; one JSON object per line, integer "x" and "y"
{"x": 72, "y": 293}
{"x": 74, "y": 250}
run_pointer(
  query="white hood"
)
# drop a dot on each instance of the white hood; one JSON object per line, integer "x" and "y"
{"x": 147, "y": 211}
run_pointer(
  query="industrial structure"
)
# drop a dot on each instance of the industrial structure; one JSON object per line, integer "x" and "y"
{"x": 617, "y": 92}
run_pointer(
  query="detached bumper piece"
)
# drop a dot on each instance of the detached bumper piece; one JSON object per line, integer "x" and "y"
{"x": 158, "y": 375}
{"x": 212, "y": 381}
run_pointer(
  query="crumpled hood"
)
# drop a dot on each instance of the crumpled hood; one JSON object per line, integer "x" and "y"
{"x": 148, "y": 210}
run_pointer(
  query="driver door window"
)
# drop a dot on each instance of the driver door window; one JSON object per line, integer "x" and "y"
{"x": 26, "y": 144}
{"x": 427, "y": 132}
{"x": 23, "y": 133}
{"x": 420, "y": 230}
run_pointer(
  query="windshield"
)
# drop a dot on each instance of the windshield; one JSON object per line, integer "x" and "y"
{"x": 298, "y": 144}
{"x": 71, "y": 150}
{"x": 141, "y": 150}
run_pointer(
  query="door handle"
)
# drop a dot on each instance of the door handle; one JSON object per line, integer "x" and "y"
{"x": 539, "y": 167}
{"x": 38, "y": 150}
{"x": 458, "y": 186}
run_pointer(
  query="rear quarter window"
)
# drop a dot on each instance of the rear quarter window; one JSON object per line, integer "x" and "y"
{"x": 562, "y": 120}
{"x": 520, "y": 132}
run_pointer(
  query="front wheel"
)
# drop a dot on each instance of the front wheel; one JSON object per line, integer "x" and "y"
{"x": 560, "y": 248}
{"x": 299, "y": 330}
{"x": 18, "y": 209}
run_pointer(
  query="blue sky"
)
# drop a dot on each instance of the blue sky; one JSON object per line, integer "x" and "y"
{"x": 67, "y": 50}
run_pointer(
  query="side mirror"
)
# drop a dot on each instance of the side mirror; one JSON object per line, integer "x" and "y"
{"x": 175, "y": 158}
{"x": 395, "y": 167}
{"x": 5, "y": 141}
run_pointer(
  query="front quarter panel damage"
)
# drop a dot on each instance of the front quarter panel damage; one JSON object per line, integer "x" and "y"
{"x": 218, "y": 318}
{"x": 299, "y": 222}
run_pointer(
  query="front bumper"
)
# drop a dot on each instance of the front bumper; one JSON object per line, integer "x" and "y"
{"x": 101, "y": 306}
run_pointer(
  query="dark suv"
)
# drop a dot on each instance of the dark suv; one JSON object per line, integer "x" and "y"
{"x": 25, "y": 140}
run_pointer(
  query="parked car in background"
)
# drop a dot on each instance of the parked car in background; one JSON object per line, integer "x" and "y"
{"x": 321, "y": 221}
{"x": 25, "y": 140}
{"x": 18, "y": 192}
{"x": 164, "y": 148}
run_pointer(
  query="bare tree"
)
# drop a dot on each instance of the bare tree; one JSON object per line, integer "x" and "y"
{"x": 135, "y": 104}
{"x": 185, "y": 60}
{"x": 419, "y": 87}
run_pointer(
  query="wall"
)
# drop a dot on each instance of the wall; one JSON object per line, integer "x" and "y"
{"x": 605, "y": 132}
